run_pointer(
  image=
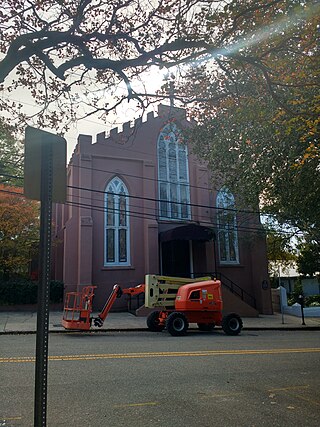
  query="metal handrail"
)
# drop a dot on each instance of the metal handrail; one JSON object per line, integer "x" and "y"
{"x": 232, "y": 286}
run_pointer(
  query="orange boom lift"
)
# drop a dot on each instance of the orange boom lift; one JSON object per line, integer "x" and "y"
{"x": 78, "y": 307}
{"x": 198, "y": 302}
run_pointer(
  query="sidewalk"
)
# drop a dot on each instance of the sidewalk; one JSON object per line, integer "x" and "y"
{"x": 25, "y": 322}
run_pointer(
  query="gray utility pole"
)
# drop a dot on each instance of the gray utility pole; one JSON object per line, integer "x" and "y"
{"x": 280, "y": 294}
{"x": 44, "y": 180}
{"x": 40, "y": 407}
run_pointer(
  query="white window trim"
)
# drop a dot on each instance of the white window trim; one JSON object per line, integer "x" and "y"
{"x": 116, "y": 227}
{"x": 168, "y": 183}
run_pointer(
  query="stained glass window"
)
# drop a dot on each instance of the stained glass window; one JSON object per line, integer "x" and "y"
{"x": 117, "y": 238}
{"x": 227, "y": 228}
{"x": 173, "y": 175}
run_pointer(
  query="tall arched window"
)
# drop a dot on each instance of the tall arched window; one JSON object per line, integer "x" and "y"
{"x": 117, "y": 237}
{"x": 227, "y": 228}
{"x": 173, "y": 175}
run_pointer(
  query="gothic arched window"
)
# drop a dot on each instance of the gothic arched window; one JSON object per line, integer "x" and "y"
{"x": 117, "y": 237}
{"x": 227, "y": 227}
{"x": 173, "y": 175}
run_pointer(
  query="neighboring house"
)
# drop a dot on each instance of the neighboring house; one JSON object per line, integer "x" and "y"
{"x": 139, "y": 202}
{"x": 287, "y": 276}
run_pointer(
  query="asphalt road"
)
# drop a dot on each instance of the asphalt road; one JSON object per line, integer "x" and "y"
{"x": 267, "y": 378}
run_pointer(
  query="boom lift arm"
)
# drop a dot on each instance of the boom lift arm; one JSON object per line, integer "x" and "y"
{"x": 117, "y": 292}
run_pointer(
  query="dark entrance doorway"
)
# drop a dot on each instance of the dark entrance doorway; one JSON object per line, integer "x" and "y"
{"x": 176, "y": 258}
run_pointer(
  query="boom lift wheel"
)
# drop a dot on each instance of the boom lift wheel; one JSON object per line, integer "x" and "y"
{"x": 98, "y": 322}
{"x": 177, "y": 324}
{"x": 232, "y": 324}
{"x": 153, "y": 322}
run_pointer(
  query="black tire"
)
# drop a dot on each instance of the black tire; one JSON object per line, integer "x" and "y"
{"x": 232, "y": 324}
{"x": 207, "y": 327}
{"x": 177, "y": 324}
{"x": 153, "y": 322}
{"x": 98, "y": 322}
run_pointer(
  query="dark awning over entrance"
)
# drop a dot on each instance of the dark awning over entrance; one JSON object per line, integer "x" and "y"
{"x": 188, "y": 232}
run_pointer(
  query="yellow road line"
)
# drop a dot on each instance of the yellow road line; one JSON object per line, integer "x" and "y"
{"x": 306, "y": 399}
{"x": 290, "y": 392}
{"x": 204, "y": 353}
{"x": 297, "y": 387}
{"x": 221, "y": 395}
{"x": 10, "y": 418}
{"x": 129, "y": 405}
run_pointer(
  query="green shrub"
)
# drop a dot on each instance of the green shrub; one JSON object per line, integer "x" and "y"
{"x": 291, "y": 299}
{"x": 298, "y": 290}
{"x": 23, "y": 291}
{"x": 309, "y": 301}
{"x": 312, "y": 301}
{"x": 314, "y": 304}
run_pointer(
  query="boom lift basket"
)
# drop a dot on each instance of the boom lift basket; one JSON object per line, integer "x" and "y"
{"x": 78, "y": 308}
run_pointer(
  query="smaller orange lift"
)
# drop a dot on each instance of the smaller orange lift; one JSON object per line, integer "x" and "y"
{"x": 199, "y": 302}
{"x": 78, "y": 307}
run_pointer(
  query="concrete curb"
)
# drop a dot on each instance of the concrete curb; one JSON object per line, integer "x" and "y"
{"x": 98, "y": 331}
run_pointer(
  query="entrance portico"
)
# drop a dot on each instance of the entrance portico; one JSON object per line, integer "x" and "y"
{"x": 186, "y": 250}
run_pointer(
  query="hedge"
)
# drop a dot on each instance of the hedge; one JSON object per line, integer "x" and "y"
{"x": 22, "y": 291}
{"x": 309, "y": 301}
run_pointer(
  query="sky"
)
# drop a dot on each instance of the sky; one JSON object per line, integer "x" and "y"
{"x": 93, "y": 124}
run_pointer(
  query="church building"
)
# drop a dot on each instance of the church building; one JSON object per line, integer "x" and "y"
{"x": 139, "y": 202}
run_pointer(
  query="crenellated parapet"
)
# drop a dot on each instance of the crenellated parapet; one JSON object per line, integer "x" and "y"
{"x": 121, "y": 135}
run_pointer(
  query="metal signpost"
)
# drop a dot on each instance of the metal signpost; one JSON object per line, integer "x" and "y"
{"x": 281, "y": 298}
{"x": 44, "y": 180}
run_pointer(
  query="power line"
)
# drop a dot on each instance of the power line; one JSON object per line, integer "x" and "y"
{"x": 12, "y": 176}
{"x": 127, "y": 175}
{"x": 12, "y": 192}
{"x": 150, "y": 199}
{"x": 135, "y": 214}
{"x": 138, "y": 215}
{"x": 153, "y": 212}
{"x": 245, "y": 211}
{"x": 141, "y": 177}
{"x": 158, "y": 201}
{"x": 154, "y": 216}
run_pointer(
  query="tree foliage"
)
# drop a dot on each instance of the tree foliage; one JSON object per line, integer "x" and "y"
{"x": 19, "y": 231}
{"x": 10, "y": 155}
{"x": 90, "y": 53}
{"x": 78, "y": 57}
{"x": 259, "y": 120}
{"x": 280, "y": 252}
{"x": 280, "y": 248}
{"x": 309, "y": 259}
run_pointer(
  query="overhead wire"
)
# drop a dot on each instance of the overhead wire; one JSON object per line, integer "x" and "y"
{"x": 153, "y": 214}
{"x": 138, "y": 215}
{"x": 158, "y": 200}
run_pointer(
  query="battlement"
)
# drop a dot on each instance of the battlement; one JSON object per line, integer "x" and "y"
{"x": 120, "y": 135}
